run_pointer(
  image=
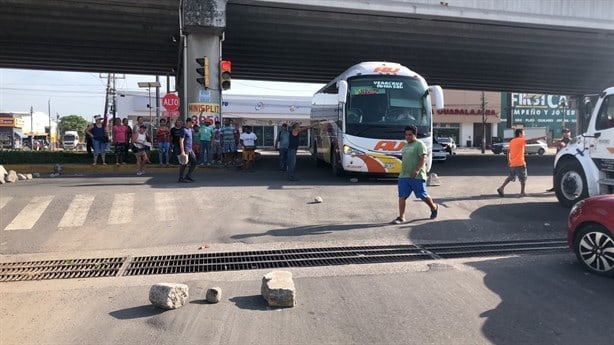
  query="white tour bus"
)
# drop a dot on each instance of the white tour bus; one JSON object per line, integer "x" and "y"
{"x": 358, "y": 118}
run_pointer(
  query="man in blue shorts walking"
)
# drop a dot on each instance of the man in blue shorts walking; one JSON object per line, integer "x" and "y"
{"x": 413, "y": 174}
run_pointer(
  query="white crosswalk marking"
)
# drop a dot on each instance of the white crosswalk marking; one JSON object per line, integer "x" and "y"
{"x": 122, "y": 210}
{"x": 201, "y": 201}
{"x": 77, "y": 211}
{"x": 166, "y": 206}
{"x": 5, "y": 200}
{"x": 30, "y": 214}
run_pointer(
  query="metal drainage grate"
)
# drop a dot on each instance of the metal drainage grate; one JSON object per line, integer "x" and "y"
{"x": 282, "y": 258}
{"x": 474, "y": 249}
{"x": 60, "y": 269}
{"x": 307, "y": 257}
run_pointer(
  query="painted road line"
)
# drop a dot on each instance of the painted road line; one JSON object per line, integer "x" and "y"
{"x": 5, "y": 200}
{"x": 30, "y": 214}
{"x": 166, "y": 206}
{"x": 201, "y": 201}
{"x": 122, "y": 211}
{"x": 77, "y": 211}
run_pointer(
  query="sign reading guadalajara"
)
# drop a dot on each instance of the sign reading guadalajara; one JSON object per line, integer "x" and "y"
{"x": 448, "y": 111}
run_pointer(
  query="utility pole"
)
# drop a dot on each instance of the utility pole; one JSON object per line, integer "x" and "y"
{"x": 483, "y": 124}
{"x": 49, "y": 112}
{"x": 32, "y": 127}
{"x": 157, "y": 102}
{"x": 57, "y": 130}
{"x": 111, "y": 97}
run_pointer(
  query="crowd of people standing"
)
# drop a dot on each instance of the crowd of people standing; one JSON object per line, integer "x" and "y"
{"x": 207, "y": 144}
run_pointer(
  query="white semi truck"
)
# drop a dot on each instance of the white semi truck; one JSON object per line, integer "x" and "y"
{"x": 586, "y": 166}
{"x": 70, "y": 140}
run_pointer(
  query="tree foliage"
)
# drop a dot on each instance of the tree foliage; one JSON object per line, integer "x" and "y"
{"x": 73, "y": 123}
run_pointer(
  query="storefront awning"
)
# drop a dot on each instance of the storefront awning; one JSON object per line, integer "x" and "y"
{"x": 21, "y": 135}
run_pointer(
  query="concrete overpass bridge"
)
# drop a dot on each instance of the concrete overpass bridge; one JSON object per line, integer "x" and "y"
{"x": 554, "y": 46}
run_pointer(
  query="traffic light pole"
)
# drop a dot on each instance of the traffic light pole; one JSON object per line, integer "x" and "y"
{"x": 199, "y": 46}
{"x": 202, "y": 24}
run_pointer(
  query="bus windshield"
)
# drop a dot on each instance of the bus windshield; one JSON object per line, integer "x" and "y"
{"x": 380, "y": 106}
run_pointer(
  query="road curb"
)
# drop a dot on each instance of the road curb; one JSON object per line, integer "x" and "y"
{"x": 98, "y": 169}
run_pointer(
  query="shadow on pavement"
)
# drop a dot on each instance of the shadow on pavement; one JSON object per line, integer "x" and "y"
{"x": 266, "y": 173}
{"x": 546, "y": 302}
{"x": 254, "y": 302}
{"x": 500, "y": 222}
{"x": 310, "y": 230}
{"x": 137, "y": 312}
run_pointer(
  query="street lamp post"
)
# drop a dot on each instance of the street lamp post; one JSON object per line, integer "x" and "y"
{"x": 149, "y": 85}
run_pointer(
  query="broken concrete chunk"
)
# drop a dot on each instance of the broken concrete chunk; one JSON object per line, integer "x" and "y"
{"x": 168, "y": 295}
{"x": 214, "y": 294}
{"x": 11, "y": 176}
{"x": 278, "y": 289}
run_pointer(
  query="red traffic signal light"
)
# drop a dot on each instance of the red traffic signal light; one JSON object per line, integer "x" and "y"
{"x": 225, "y": 74}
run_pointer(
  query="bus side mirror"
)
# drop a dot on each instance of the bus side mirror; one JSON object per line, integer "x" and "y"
{"x": 342, "y": 94}
{"x": 437, "y": 94}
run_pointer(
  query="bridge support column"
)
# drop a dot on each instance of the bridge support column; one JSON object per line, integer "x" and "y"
{"x": 202, "y": 25}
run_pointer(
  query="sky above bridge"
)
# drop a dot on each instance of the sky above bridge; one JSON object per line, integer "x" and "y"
{"x": 84, "y": 93}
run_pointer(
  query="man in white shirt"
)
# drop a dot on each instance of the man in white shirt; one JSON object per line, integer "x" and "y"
{"x": 248, "y": 141}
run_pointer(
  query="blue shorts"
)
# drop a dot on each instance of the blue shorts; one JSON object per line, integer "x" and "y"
{"x": 230, "y": 147}
{"x": 407, "y": 185}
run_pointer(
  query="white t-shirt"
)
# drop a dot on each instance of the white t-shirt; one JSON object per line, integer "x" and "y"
{"x": 249, "y": 139}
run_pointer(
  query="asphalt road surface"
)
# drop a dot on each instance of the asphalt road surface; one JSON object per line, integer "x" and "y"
{"x": 122, "y": 211}
{"x": 527, "y": 299}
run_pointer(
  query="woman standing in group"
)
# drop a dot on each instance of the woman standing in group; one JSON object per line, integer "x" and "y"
{"x": 119, "y": 141}
{"x": 140, "y": 146}
{"x": 163, "y": 135}
{"x": 98, "y": 133}
{"x": 128, "y": 136}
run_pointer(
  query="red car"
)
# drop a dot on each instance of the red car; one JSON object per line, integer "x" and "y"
{"x": 590, "y": 233}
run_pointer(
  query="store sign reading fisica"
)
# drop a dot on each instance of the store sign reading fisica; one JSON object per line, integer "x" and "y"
{"x": 541, "y": 110}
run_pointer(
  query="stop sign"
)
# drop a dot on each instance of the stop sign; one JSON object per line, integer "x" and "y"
{"x": 170, "y": 102}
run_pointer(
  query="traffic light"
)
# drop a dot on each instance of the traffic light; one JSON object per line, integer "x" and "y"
{"x": 203, "y": 70}
{"x": 225, "y": 74}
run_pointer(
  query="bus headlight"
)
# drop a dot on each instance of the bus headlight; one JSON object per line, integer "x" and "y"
{"x": 352, "y": 151}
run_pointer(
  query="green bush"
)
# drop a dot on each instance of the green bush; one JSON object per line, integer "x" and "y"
{"x": 62, "y": 157}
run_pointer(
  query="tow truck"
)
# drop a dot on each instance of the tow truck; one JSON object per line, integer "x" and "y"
{"x": 585, "y": 167}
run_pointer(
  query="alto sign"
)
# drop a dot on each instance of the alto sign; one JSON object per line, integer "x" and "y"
{"x": 170, "y": 102}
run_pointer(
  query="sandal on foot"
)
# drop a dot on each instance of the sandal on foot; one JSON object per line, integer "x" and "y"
{"x": 398, "y": 220}
{"x": 500, "y": 192}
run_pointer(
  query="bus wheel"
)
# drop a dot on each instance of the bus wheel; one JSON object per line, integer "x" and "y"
{"x": 336, "y": 165}
{"x": 570, "y": 183}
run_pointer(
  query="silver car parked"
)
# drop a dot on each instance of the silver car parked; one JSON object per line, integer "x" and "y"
{"x": 540, "y": 147}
